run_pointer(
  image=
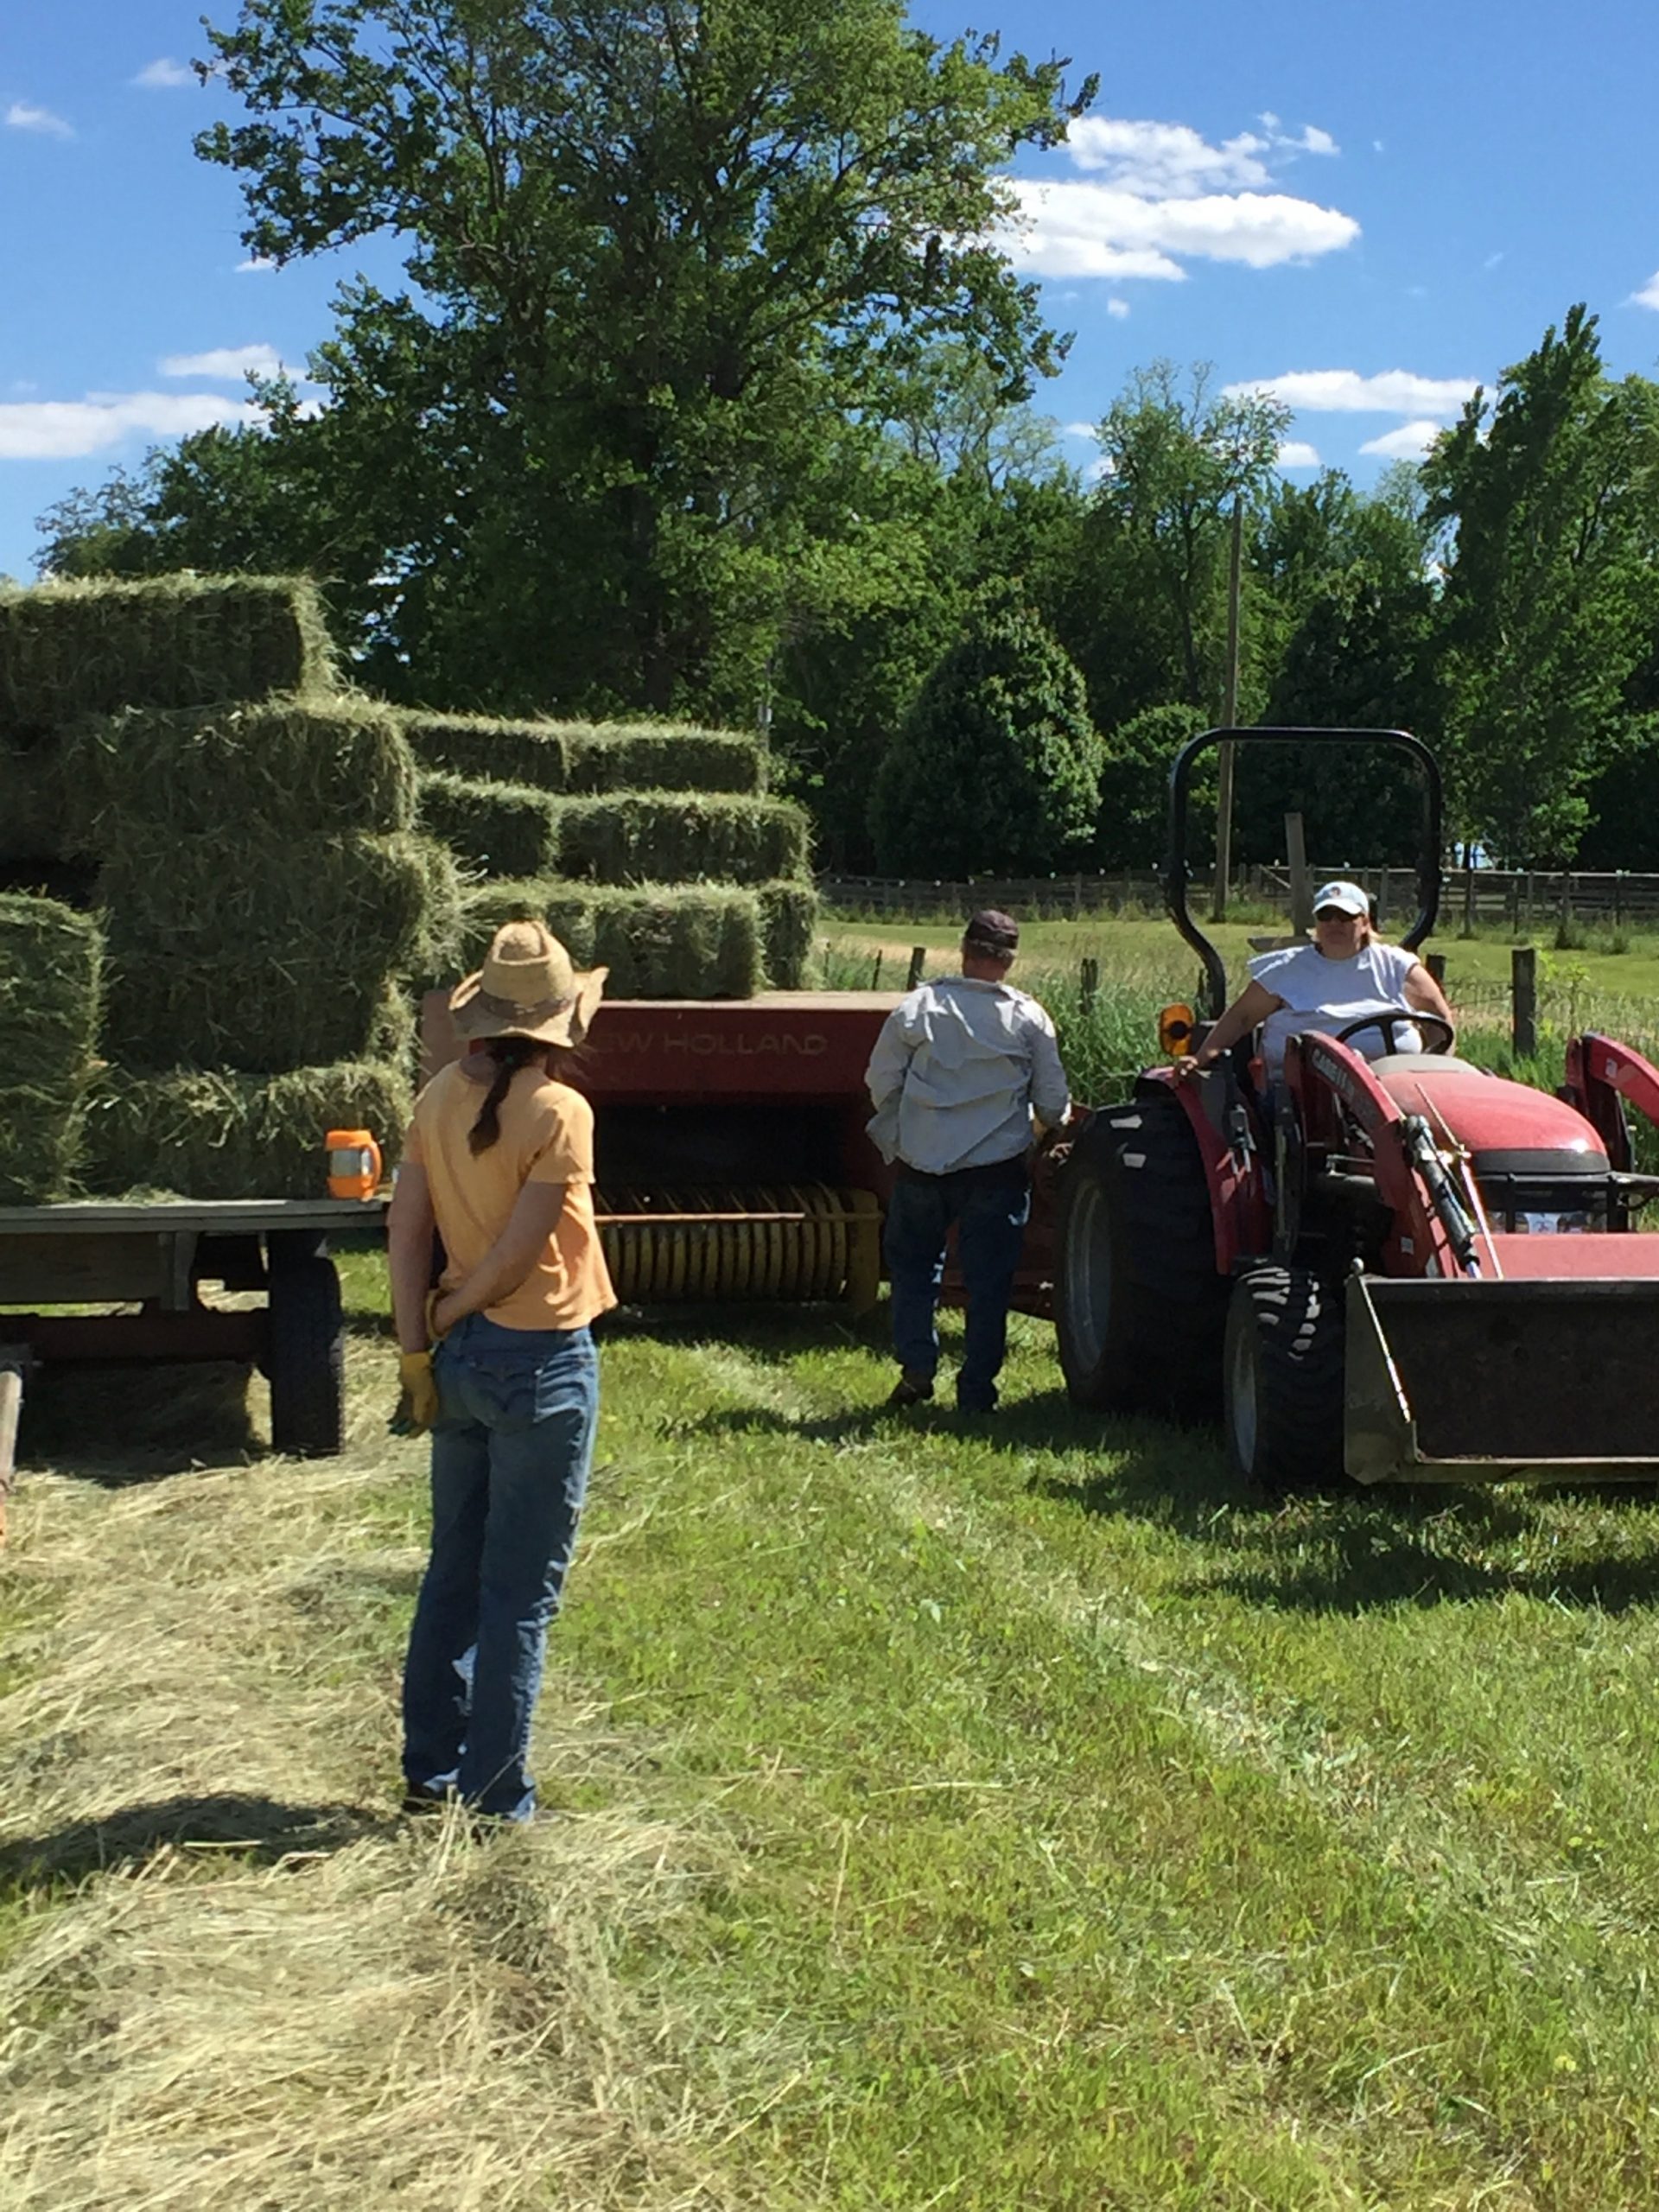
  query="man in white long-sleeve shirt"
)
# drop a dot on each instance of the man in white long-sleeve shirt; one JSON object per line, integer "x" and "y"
{"x": 959, "y": 1071}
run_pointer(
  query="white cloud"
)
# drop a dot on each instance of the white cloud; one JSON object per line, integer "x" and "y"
{"x": 71, "y": 430}
{"x": 1118, "y": 308}
{"x": 164, "y": 75}
{"x": 1409, "y": 443}
{"x": 253, "y": 266}
{"x": 1493, "y": 259}
{"x": 1344, "y": 391}
{"x": 20, "y": 115}
{"x": 1648, "y": 294}
{"x": 1098, "y": 229}
{"x": 1294, "y": 454}
{"x": 1079, "y": 429}
{"x": 1172, "y": 160}
{"x": 224, "y": 362}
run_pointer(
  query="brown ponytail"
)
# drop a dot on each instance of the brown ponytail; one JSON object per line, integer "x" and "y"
{"x": 508, "y": 1054}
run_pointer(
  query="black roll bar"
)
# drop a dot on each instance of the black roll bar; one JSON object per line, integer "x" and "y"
{"x": 1176, "y": 873}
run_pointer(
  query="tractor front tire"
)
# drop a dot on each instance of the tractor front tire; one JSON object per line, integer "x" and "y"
{"x": 1282, "y": 1370}
{"x": 305, "y": 1357}
{"x": 1138, "y": 1307}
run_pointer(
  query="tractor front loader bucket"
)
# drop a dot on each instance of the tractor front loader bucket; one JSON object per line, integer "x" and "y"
{"x": 1464, "y": 1380}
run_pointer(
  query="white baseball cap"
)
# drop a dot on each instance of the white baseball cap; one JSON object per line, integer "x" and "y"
{"x": 1346, "y": 897}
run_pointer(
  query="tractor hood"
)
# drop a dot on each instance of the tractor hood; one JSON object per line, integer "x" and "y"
{"x": 1509, "y": 1129}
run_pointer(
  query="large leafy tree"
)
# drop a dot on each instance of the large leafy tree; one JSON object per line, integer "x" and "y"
{"x": 1155, "y": 559}
{"x": 1548, "y": 495}
{"x": 998, "y": 764}
{"x": 668, "y": 263}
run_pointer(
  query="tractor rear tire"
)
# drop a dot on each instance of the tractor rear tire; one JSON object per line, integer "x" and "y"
{"x": 1138, "y": 1307}
{"x": 305, "y": 1359}
{"x": 1283, "y": 1381}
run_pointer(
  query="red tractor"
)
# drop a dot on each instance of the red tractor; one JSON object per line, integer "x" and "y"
{"x": 1401, "y": 1268}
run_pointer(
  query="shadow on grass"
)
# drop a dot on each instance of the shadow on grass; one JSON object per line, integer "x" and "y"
{"x": 256, "y": 1831}
{"x": 116, "y": 1426}
{"x": 1418, "y": 1549}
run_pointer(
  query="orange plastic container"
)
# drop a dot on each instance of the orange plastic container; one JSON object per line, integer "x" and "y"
{"x": 353, "y": 1164}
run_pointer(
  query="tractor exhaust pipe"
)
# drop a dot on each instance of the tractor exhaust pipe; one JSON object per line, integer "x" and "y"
{"x": 1465, "y": 1380}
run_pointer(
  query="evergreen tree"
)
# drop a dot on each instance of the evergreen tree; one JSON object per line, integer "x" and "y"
{"x": 997, "y": 767}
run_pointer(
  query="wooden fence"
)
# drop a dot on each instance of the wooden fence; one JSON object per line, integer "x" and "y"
{"x": 1518, "y": 899}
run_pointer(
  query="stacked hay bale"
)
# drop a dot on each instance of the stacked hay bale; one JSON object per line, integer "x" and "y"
{"x": 51, "y": 961}
{"x": 264, "y": 896}
{"x": 652, "y": 849}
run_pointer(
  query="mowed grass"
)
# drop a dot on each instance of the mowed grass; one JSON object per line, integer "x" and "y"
{"x": 959, "y": 1813}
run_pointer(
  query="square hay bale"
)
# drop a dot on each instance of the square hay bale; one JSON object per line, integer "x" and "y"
{"x": 499, "y": 829}
{"x": 667, "y": 757}
{"x": 681, "y": 838}
{"x": 789, "y": 915}
{"x": 221, "y": 1135}
{"x": 72, "y": 649}
{"x": 275, "y": 956}
{"x": 659, "y": 941}
{"x": 588, "y": 757}
{"x": 286, "y": 768}
{"x": 31, "y": 799}
{"x": 51, "y": 961}
{"x": 483, "y": 748}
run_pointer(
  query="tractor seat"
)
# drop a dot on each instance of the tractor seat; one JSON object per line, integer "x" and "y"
{"x": 1423, "y": 1064}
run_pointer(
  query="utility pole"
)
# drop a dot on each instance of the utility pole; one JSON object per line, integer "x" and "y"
{"x": 1229, "y": 719}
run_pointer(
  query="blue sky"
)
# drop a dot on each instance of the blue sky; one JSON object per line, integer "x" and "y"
{"x": 1378, "y": 205}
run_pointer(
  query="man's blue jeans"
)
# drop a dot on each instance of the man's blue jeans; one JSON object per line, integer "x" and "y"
{"x": 989, "y": 1207}
{"x": 510, "y": 1460}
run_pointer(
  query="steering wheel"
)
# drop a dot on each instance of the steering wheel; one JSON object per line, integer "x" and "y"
{"x": 1441, "y": 1039}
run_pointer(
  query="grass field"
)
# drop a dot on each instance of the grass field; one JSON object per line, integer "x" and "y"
{"x": 960, "y": 1814}
{"x": 972, "y": 1814}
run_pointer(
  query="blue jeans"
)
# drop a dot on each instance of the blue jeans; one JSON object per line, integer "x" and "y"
{"x": 510, "y": 1458}
{"x": 990, "y": 1208}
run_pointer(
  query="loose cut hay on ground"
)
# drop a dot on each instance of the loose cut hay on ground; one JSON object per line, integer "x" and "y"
{"x": 499, "y": 829}
{"x": 658, "y": 942}
{"x": 254, "y": 1991}
{"x": 246, "y": 776}
{"x": 72, "y": 649}
{"x": 275, "y": 956}
{"x": 680, "y": 838}
{"x": 51, "y": 964}
{"x": 565, "y": 757}
{"x": 223, "y": 1135}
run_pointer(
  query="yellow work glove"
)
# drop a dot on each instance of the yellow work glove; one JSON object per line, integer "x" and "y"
{"x": 417, "y": 1400}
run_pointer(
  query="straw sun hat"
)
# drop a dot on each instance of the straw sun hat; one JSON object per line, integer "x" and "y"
{"x": 527, "y": 988}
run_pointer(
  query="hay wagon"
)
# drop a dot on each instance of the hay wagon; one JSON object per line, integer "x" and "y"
{"x": 149, "y": 1260}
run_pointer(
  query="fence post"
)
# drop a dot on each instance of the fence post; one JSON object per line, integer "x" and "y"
{"x": 1524, "y": 1001}
{"x": 875, "y": 973}
{"x": 1383, "y": 889}
{"x": 1468, "y": 900}
{"x": 1564, "y": 926}
{"x": 1302, "y": 890}
{"x": 1089, "y": 985}
{"x": 1435, "y": 963}
{"x": 1618, "y": 898}
{"x": 917, "y": 962}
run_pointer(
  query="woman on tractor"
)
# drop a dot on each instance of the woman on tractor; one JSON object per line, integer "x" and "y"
{"x": 1346, "y": 974}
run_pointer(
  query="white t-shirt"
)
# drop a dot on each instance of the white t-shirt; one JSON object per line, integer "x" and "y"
{"x": 1327, "y": 994}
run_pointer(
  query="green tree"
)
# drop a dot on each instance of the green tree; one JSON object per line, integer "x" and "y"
{"x": 1134, "y": 812}
{"x": 1546, "y": 496}
{"x": 1175, "y": 465}
{"x": 669, "y": 263}
{"x": 997, "y": 767}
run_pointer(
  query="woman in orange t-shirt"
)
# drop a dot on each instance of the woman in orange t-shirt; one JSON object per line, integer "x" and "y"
{"x": 499, "y": 1160}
